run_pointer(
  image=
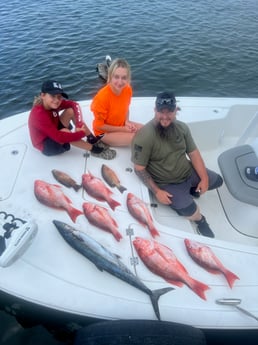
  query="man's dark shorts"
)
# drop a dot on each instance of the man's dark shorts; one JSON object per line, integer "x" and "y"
{"x": 52, "y": 148}
{"x": 182, "y": 200}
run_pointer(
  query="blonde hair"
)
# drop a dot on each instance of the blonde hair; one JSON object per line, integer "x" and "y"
{"x": 37, "y": 100}
{"x": 119, "y": 63}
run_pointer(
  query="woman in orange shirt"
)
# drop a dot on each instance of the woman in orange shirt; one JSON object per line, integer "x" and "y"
{"x": 111, "y": 104}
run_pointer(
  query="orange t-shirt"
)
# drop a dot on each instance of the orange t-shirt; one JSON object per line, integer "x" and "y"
{"x": 109, "y": 108}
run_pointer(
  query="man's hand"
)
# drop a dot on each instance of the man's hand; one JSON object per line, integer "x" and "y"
{"x": 164, "y": 197}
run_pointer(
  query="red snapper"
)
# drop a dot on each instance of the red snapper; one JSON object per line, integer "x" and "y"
{"x": 205, "y": 257}
{"x": 97, "y": 189}
{"x": 51, "y": 195}
{"x": 99, "y": 216}
{"x": 162, "y": 261}
{"x": 139, "y": 211}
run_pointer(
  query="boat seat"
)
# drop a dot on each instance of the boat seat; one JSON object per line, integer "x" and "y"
{"x": 232, "y": 164}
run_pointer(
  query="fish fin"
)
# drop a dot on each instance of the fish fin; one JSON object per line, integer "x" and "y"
{"x": 99, "y": 267}
{"x": 56, "y": 185}
{"x": 74, "y": 213}
{"x": 154, "y": 232}
{"x": 117, "y": 256}
{"x": 76, "y": 187}
{"x": 231, "y": 277}
{"x": 117, "y": 235}
{"x": 212, "y": 271}
{"x": 121, "y": 188}
{"x": 175, "y": 282}
{"x": 198, "y": 287}
{"x": 113, "y": 204}
{"x": 155, "y": 295}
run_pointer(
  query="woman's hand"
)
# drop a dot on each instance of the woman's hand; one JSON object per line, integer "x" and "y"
{"x": 130, "y": 127}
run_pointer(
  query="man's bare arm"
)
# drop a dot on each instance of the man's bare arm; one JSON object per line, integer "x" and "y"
{"x": 145, "y": 177}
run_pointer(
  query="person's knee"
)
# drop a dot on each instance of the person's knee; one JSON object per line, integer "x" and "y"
{"x": 187, "y": 211}
{"x": 67, "y": 116}
{"x": 217, "y": 183}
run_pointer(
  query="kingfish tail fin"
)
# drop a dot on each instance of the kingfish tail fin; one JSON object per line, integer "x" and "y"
{"x": 76, "y": 187}
{"x": 198, "y": 287}
{"x": 74, "y": 213}
{"x": 121, "y": 188}
{"x": 155, "y": 295}
{"x": 231, "y": 277}
{"x": 113, "y": 204}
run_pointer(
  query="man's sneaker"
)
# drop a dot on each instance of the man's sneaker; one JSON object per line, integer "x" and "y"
{"x": 203, "y": 228}
{"x": 105, "y": 154}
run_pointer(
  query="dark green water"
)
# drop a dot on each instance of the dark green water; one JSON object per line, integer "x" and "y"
{"x": 199, "y": 48}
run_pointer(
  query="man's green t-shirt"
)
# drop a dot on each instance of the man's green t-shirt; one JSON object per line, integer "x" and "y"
{"x": 165, "y": 159}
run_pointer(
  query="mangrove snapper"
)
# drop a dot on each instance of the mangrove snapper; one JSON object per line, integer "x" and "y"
{"x": 65, "y": 179}
{"x": 111, "y": 178}
{"x": 107, "y": 261}
{"x": 51, "y": 195}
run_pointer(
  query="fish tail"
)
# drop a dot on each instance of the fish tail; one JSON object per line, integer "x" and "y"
{"x": 76, "y": 187}
{"x": 121, "y": 188}
{"x": 113, "y": 204}
{"x": 154, "y": 232}
{"x": 231, "y": 277}
{"x": 199, "y": 288}
{"x": 155, "y": 295}
{"x": 74, "y": 213}
{"x": 117, "y": 235}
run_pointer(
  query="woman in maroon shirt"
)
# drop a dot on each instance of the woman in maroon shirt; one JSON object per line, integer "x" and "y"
{"x": 52, "y": 133}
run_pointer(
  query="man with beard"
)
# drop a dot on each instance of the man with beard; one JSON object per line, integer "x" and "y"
{"x": 169, "y": 163}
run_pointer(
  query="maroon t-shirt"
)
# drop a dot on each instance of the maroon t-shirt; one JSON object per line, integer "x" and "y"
{"x": 44, "y": 124}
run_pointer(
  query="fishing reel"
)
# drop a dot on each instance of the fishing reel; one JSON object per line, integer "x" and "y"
{"x": 15, "y": 237}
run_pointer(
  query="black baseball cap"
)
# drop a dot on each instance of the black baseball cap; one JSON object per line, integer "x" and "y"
{"x": 53, "y": 88}
{"x": 165, "y": 100}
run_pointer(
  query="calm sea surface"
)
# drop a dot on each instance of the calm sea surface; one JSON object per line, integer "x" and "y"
{"x": 193, "y": 47}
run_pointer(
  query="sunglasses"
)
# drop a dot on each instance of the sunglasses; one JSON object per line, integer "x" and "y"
{"x": 166, "y": 101}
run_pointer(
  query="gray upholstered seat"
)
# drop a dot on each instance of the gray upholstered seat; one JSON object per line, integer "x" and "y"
{"x": 232, "y": 164}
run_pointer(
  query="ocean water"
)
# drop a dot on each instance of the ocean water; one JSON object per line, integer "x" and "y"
{"x": 195, "y": 48}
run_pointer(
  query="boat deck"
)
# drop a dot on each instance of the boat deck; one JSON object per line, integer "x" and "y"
{"x": 74, "y": 284}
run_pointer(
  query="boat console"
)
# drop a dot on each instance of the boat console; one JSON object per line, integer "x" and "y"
{"x": 233, "y": 163}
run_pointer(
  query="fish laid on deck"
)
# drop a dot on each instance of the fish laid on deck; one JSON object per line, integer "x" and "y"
{"x": 100, "y": 217}
{"x": 162, "y": 261}
{"x": 205, "y": 257}
{"x": 65, "y": 179}
{"x": 51, "y": 195}
{"x": 139, "y": 211}
{"x": 111, "y": 178}
{"x": 97, "y": 189}
{"x": 107, "y": 261}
